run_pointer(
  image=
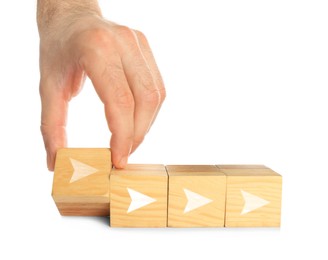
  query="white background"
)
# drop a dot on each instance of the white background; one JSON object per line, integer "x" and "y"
{"x": 246, "y": 83}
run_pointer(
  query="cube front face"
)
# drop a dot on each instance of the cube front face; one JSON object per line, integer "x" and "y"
{"x": 253, "y": 198}
{"x": 81, "y": 181}
{"x": 196, "y": 196}
{"x": 139, "y": 196}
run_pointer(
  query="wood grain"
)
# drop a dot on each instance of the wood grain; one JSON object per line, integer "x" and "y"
{"x": 241, "y": 166}
{"x": 205, "y": 180}
{"x": 83, "y": 209}
{"x": 263, "y": 183}
{"x": 82, "y": 196}
{"x": 150, "y": 180}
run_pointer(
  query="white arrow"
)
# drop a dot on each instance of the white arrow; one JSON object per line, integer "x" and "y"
{"x": 138, "y": 200}
{"x": 252, "y": 202}
{"x": 81, "y": 170}
{"x": 195, "y": 200}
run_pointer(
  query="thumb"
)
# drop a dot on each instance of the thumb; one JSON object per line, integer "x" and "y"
{"x": 53, "y": 119}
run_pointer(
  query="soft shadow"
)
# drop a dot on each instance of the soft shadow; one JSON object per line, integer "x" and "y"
{"x": 105, "y": 221}
{"x": 100, "y": 220}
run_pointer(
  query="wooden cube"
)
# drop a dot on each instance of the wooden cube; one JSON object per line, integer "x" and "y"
{"x": 139, "y": 196}
{"x": 253, "y": 196}
{"x": 196, "y": 196}
{"x": 81, "y": 181}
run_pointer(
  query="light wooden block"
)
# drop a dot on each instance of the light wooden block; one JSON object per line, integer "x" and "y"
{"x": 81, "y": 181}
{"x": 196, "y": 196}
{"x": 139, "y": 196}
{"x": 253, "y": 197}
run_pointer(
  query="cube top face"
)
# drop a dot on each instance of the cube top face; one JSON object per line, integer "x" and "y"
{"x": 253, "y": 198}
{"x": 139, "y": 196}
{"x": 82, "y": 175}
{"x": 141, "y": 170}
{"x": 189, "y": 170}
{"x": 196, "y": 196}
{"x": 249, "y": 172}
{"x": 242, "y": 166}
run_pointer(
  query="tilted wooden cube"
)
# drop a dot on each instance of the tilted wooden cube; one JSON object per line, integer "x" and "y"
{"x": 139, "y": 196}
{"x": 196, "y": 196}
{"x": 253, "y": 196}
{"x": 81, "y": 181}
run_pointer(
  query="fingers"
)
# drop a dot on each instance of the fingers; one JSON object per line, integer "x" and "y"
{"x": 148, "y": 54}
{"x": 53, "y": 119}
{"x": 127, "y": 80}
{"x": 108, "y": 78}
{"x": 146, "y": 85}
{"x": 149, "y": 57}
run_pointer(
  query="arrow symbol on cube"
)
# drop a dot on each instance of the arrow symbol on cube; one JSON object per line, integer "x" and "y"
{"x": 195, "y": 200}
{"x": 81, "y": 170}
{"x": 252, "y": 202}
{"x": 138, "y": 200}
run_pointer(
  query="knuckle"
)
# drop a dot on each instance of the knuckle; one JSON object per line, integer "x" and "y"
{"x": 95, "y": 40}
{"x": 153, "y": 95}
{"x": 152, "y": 98}
{"x": 138, "y": 140}
{"x": 162, "y": 93}
{"x": 124, "y": 99}
{"x": 98, "y": 35}
{"x": 141, "y": 36}
{"x": 125, "y": 33}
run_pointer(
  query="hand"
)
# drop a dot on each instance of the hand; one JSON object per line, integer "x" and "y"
{"x": 120, "y": 64}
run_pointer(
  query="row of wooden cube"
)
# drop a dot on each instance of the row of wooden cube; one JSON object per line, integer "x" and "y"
{"x": 160, "y": 196}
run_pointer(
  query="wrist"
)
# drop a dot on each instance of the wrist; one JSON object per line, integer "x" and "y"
{"x": 52, "y": 14}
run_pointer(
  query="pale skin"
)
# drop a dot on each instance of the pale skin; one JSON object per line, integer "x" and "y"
{"x": 75, "y": 42}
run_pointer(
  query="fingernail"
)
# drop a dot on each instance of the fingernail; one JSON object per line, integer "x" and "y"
{"x": 123, "y": 162}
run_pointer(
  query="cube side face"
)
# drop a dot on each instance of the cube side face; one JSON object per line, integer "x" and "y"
{"x": 83, "y": 209}
{"x": 138, "y": 201}
{"x": 196, "y": 201}
{"x": 253, "y": 201}
{"x": 81, "y": 181}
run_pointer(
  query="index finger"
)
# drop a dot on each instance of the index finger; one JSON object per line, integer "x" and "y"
{"x": 53, "y": 119}
{"x": 107, "y": 75}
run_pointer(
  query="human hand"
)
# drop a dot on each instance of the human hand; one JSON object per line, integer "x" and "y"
{"x": 120, "y": 64}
